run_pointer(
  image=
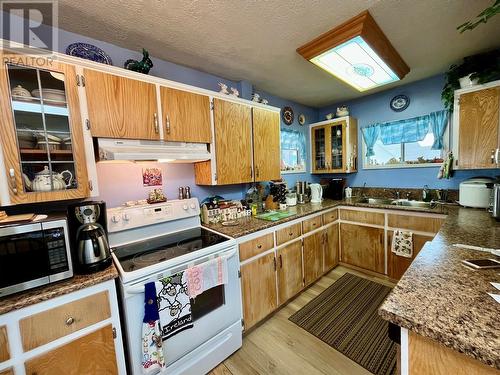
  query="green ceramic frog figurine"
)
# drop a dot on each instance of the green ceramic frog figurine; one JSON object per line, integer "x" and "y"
{"x": 142, "y": 66}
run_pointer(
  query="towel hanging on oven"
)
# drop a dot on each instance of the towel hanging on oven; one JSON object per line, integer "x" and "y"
{"x": 402, "y": 243}
{"x": 153, "y": 360}
{"x": 206, "y": 276}
{"x": 174, "y": 306}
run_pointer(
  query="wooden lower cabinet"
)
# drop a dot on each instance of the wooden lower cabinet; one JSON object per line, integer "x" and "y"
{"x": 313, "y": 257}
{"x": 289, "y": 268}
{"x": 4, "y": 345}
{"x": 8, "y": 371}
{"x": 331, "y": 247}
{"x": 258, "y": 283}
{"x": 397, "y": 265}
{"x": 90, "y": 354}
{"x": 362, "y": 246}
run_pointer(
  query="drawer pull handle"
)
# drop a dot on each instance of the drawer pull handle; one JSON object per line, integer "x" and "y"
{"x": 70, "y": 321}
{"x": 259, "y": 246}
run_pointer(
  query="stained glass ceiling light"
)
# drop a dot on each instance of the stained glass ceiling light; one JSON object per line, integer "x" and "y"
{"x": 358, "y": 53}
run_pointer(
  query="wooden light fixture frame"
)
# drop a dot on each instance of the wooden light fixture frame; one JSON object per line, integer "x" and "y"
{"x": 362, "y": 25}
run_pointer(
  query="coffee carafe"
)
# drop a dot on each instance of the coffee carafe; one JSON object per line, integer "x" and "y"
{"x": 89, "y": 237}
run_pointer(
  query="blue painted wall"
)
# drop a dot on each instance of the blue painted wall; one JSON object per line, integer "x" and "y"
{"x": 425, "y": 97}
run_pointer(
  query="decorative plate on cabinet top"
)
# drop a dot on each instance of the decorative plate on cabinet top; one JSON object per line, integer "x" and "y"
{"x": 302, "y": 119}
{"x": 400, "y": 103}
{"x": 287, "y": 115}
{"x": 89, "y": 52}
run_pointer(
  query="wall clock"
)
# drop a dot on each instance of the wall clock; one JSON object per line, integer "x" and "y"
{"x": 399, "y": 103}
{"x": 287, "y": 115}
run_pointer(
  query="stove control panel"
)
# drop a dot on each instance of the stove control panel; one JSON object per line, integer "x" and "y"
{"x": 123, "y": 218}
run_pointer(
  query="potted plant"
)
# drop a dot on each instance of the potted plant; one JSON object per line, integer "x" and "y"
{"x": 476, "y": 69}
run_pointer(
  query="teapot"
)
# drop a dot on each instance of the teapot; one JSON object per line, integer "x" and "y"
{"x": 42, "y": 180}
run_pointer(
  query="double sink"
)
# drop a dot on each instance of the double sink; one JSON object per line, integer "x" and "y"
{"x": 397, "y": 202}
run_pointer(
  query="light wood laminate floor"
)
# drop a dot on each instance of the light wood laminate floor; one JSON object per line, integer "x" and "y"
{"x": 278, "y": 346}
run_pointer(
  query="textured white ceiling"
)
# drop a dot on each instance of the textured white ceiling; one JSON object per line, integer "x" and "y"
{"x": 256, "y": 40}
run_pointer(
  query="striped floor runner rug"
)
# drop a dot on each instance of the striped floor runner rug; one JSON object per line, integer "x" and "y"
{"x": 345, "y": 317}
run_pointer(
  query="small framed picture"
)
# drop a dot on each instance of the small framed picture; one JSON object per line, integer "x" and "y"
{"x": 151, "y": 177}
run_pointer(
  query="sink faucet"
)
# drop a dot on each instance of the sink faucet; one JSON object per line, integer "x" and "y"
{"x": 396, "y": 193}
{"x": 363, "y": 195}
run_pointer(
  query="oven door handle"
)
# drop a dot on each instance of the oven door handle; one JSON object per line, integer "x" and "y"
{"x": 139, "y": 288}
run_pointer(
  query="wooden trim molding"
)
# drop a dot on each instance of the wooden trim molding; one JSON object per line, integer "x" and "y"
{"x": 361, "y": 25}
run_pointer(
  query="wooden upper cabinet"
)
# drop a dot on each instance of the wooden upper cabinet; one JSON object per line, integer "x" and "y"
{"x": 258, "y": 288}
{"x": 266, "y": 144}
{"x": 289, "y": 266}
{"x": 186, "y": 116}
{"x": 233, "y": 142}
{"x": 120, "y": 107}
{"x": 479, "y": 129}
{"x": 51, "y": 117}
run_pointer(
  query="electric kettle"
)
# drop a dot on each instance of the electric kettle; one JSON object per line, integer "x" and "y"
{"x": 316, "y": 193}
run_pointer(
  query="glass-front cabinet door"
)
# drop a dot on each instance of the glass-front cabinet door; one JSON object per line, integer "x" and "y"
{"x": 337, "y": 149}
{"x": 319, "y": 149}
{"x": 42, "y": 138}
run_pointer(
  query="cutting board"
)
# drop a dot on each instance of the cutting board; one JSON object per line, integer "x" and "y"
{"x": 274, "y": 215}
{"x": 17, "y": 219}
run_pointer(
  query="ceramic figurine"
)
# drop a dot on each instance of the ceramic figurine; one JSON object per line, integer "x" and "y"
{"x": 223, "y": 88}
{"x": 235, "y": 92}
{"x": 256, "y": 97}
{"x": 265, "y": 101}
{"x": 142, "y": 66}
{"x": 329, "y": 116}
{"x": 342, "y": 111}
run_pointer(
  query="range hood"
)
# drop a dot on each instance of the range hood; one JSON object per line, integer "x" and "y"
{"x": 162, "y": 151}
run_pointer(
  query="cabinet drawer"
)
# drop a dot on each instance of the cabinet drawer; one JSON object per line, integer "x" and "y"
{"x": 311, "y": 224}
{"x": 330, "y": 217}
{"x": 256, "y": 246}
{"x": 367, "y": 217}
{"x": 288, "y": 234}
{"x": 419, "y": 223}
{"x": 4, "y": 345}
{"x": 47, "y": 326}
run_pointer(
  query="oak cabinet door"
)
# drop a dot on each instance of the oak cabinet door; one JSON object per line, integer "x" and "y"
{"x": 362, "y": 246}
{"x": 331, "y": 247}
{"x": 90, "y": 354}
{"x": 313, "y": 257}
{"x": 266, "y": 143}
{"x": 397, "y": 265}
{"x": 121, "y": 107}
{"x": 258, "y": 283}
{"x": 289, "y": 265}
{"x": 41, "y": 133}
{"x": 186, "y": 116}
{"x": 233, "y": 142}
{"x": 479, "y": 128}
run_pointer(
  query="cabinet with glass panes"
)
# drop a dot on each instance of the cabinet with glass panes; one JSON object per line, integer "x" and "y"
{"x": 334, "y": 146}
{"x": 41, "y": 132}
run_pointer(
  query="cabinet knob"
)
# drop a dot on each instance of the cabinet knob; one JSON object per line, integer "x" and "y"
{"x": 70, "y": 321}
{"x": 259, "y": 246}
{"x": 290, "y": 234}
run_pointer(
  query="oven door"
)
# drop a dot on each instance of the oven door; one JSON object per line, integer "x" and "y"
{"x": 213, "y": 311}
{"x": 24, "y": 260}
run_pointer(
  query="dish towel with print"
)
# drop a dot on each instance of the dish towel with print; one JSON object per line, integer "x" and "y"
{"x": 402, "y": 243}
{"x": 206, "y": 276}
{"x": 174, "y": 306}
{"x": 153, "y": 360}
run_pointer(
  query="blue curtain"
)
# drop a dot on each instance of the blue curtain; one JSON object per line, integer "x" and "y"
{"x": 408, "y": 130}
{"x": 370, "y": 135}
{"x": 438, "y": 123}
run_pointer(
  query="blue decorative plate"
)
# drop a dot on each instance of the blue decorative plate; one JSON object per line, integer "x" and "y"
{"x": 89, "y": 52}
{"x": 399, "y": 103}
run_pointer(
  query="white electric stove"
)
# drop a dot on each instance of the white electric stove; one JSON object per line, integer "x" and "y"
{"x": 150, "y": 242}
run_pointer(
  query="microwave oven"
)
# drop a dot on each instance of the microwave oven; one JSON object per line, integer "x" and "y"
{"x": 33, "y": 254}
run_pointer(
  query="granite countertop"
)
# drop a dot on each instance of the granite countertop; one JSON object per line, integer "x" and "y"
{"x": 43, "y": 293}
{"x": 440, "y": 298}
{"x": 250, "y": 224}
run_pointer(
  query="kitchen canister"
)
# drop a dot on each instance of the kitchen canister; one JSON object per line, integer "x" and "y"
{"x": 348, "y": 192}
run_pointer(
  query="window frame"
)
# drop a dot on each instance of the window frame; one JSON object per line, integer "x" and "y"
{"x": 446, "y": 146}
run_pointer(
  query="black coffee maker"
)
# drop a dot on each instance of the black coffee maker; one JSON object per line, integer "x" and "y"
{"x": 334, "y": 188}
{"x": 89, "y": 237}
